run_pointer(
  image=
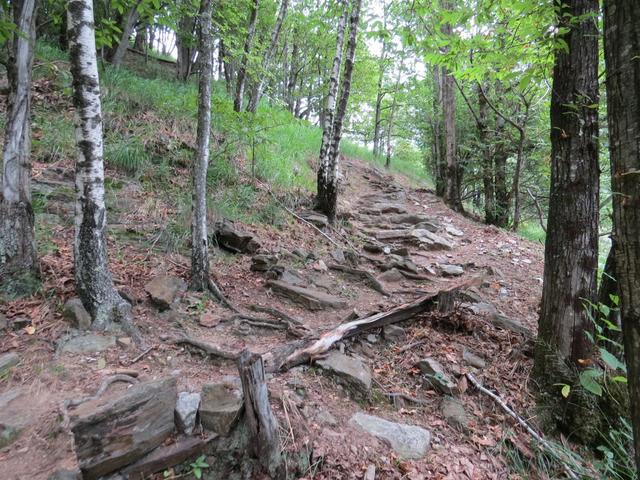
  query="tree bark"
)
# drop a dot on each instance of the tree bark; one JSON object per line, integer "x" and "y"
{"x": 439, "y": 163}
{"x": 258, "y": 85}
{"x": 93, "y": 278}
{"x": 199, "y": 233}
{"x": 185, "y": 42}
{"x": 392, "y": 114}
{"x": 571, "y": 249}
{"x": 115, "y": 55}
{"x": 622, "y": 51}
{"x": 328, "y": 172}
{"x": 17, "y": 233}
{"x": 487, "y": 161}
{"x": 242, "y": 71}
{"x": 500, "y": 159}
{"x": 380, "y": 92}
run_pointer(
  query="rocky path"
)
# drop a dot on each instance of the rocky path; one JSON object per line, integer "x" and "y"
{"x": 390, "y": 403}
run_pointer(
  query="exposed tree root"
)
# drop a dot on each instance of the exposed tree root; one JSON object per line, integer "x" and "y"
{"x": 206, "y": 347}
{"x": 365, "y": 275}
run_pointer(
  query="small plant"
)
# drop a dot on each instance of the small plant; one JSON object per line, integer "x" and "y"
{"x": 198, "y": 466}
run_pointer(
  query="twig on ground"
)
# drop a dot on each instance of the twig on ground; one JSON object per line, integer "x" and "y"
{"x": 139, "y": 357}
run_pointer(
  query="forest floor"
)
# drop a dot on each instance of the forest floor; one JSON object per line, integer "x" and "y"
{"x": 313, "y": 409}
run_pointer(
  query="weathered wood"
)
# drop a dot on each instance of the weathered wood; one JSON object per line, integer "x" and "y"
{"x": 260, "y": 419}
{"x": 365, "y": 275}
{"x": 167, "y": 456}
{"x": 116, "y": 430}
{"x": 316, "y": 347}
{"x": 308, "y": 297}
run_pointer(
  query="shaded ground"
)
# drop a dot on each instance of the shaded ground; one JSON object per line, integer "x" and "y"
{"x": 312, "y": 408}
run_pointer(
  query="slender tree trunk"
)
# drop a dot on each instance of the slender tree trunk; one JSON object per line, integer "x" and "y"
{"x": 293, "y": 76}
{"x": 93, "y": 278}
{"x": 392, "y": 114}
{"x": 140, "y": 42}
{"x": 185, "y": 48}
{"x": 609, "y": 288}
{"x": 622, "y": 51}
{"x": 17, "y": 234}
{"x": 256, "y": 91}
{"x": 242, "y": 71}
{"x": 116, "y": 54}
{"x": 500, "y": 160}
{"x": 571, "y": 249}
{"x": 199, "y": 237}
{"x": 326, "y": 119}
{"x": 440, "y": 165}
{"x": 328, "y": 173}
{"x": 487, "y": 161}
{"x": 379, "y": 98}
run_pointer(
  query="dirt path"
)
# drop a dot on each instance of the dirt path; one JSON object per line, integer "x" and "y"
{"x": 379, "y": 212}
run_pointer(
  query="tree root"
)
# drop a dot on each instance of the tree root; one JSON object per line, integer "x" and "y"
{"x": 215, "y": 291}
{"x": 367, "y": 276}
{"x": 211, "y": 350}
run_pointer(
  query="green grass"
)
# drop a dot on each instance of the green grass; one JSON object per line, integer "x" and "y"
{"x": 532, "y": 231}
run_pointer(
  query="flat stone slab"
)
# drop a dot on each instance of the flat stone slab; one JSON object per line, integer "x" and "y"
{"x": 86, "y": 343}
{"x": 164, "y": 289}
{"x": 237, "y": 241}
{"x": 221, "y": 406}
{"x": 409, "y": 441}
{"x": 310, "y": 298}
{"x": 430, "y": 240}
{"x": 449, "y": 270}
{"x": 7, "y": 362}
{"x": 350, "y": 371}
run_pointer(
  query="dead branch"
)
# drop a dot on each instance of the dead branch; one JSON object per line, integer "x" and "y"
{"x": 536, "y": 203}
{"x": 206, "y": 347}
{"x": 139, "y": 357}
{"x": 367, "y": 276}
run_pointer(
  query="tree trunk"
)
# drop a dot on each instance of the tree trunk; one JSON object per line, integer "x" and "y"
{"x": 609, "y": 288}
{"x": 500, "y": 160}
{"x": 115, "y": 55}
{"x": 140, "y": 42}
{"x": 199, "y": 236}
{"x": 325, "y": 174}
{"x": 293, "y": 77}
{"x": 93, "y": 279}
{"x": 392, "y": 114}
{"x": 439, "y": 164}
{"x": 17, "y": 234}
{"x": 242, "y": 71}
{"x": 328, "y": 172}
{"x": 185, "y": 42}
{"x": 571, "y": 249}
{"x": 256, "y": 91}
{"x": 379, "y": 97}
{"x": 487, "y": 161}
{"x": 622, "y": 50}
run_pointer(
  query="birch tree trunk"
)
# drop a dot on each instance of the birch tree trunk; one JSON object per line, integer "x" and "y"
{"x": 328, "y": 174}
{"x": 199, "y": 237}
{"x": 324, "y": 170}
{"x": 93, "y": 278}
{"x": 242, "y": 70}
{"x": 571, "y": 248}
{"x": 17, "y": 234}
{"x": 256, "y": 92}
{"x": 622, "y": 51}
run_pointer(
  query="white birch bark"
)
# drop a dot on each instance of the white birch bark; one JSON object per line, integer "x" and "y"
{"x": 93, "y": 278}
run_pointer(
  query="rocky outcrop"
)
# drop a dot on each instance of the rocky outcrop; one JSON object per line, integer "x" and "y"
{"x": 228, "y": 237}
{"x": 310, "y": 298}
{"x": 164, "y": 290}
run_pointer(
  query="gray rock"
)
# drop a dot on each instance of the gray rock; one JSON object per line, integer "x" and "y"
{"x": 338, "y": 255}
{"x": 454, "y": 413}
{"x": 483, "y": 308}
{"x": 18, "y": 410}
{"x": 408, "y": 441}
{"x": 164, "y": 289}
{"x": 371, "y": 338}
{"x": 315, "y": 218}
{"x": 75, "y": 313}
{"x": 310, "y": 298}
{"x": 394, "y": 332}
{"x": 385, "y": 207}
{"x": 292, "y": 277}
{"x": 392, "y": 275}
{"x": 221, "y": 406}
{"x": 187, "y": 411}
{"x": 4, "y": 323}
{"x": 402, "y": 251}
{"x": 64, "y": 474}
{"x": 408, "y": 218}
{"x": 7, "y": 362}
{"x": 228, "y": 237}
{"x": 263, "y": 262}
{"x": 451, "y": 230}
{"x": 400, "y": 263}
{"x": 370, "y": 474}
{"x": 350, "y": 371}
{"x": 449, "y": 270}
{"x": 473, "y": 359}
{"x": 430, "y": 240}
{"x": 86, "y": 343}
{"x": 325, "y": 418}
{"x": 432, "y": 226}
{"x": 436, "y": 375}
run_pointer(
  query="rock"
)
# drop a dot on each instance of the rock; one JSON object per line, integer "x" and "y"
{"x": 116, "y": 430}
{"x": 431, "y": 226}
{"x": 128, "y": 295}
{"x": 315, "y": 218}
{"x": 451, "y": 230}
{"x": 236, "y": 241}
{"x": 401, "y": 251}
{"x": 408, "y": 218}
{"x": 385, "y": 207}
{"x": 436, "y": 375}
{"x": 449, "y": 270}
{"x": 370, "y": 474}
{"x": 401, "y": 263}
{"x": 454, "y": 413}
{"x": 371, "y": 338}
{"x": 263, "y": 262}
{"x": 310, "y": 298}
{"x": 473, "y": 359}
{"x": 430, "y": 240}
{"x": 409, "y": 441}
{"x": 394, "y": 332}
{"x": 124, "y": 342}
{"x": 293, "y": 278}
{"x": 7, "y": 362}
{"x": 19, "y": 323}
{"x": 221, "y": 406}
{"x": 350, "y": 371}
{"x": 86, "y": 343}
{"x": 471, "y": 295}
{"x": 302, "y": 254}
{"x": 12, "y": 418}
{"x": 392, "y": 275}
{"x": 64, "y": 474}
{"x": 484, "y": 308}
{"x": 164, "y": 289}
{"x": 322, "y": 281}
{"x": 187, "y": 411}
{"x": 320, "y": 266}
{"x": 4, "y": 323}
{"x": 506, "y": 323}
{"x": 338, "y": 256}
{"x": 325, "y": 418}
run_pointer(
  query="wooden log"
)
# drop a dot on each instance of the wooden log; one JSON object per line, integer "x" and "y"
{"x": 319, "y": 346}
{"x": 262, "y": 423}
{"x": 116, "y": 430}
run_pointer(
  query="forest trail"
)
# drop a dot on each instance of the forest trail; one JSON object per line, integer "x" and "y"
{"x": 408, "y": 240}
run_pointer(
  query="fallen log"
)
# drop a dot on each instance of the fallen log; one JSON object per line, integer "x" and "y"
{"x": 365, "y": 275}
{"x": 283, "y": 360}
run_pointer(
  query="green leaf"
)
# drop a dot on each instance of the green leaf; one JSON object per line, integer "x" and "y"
{"x": 604, "y": 309}
{"x": 620, "y": 379}
{"x": 611, "y": 360}
{"x": 588, "y": 380}
{"x": 565, "y": 391}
